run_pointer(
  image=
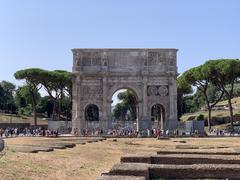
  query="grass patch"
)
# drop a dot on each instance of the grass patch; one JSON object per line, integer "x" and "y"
{"x": 11, "y": 118}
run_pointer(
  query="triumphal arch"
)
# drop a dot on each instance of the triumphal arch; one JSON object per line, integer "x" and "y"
{"x": 99, "y": 73}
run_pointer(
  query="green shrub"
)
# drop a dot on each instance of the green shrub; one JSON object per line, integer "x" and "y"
{"x": 200, "y": 117}
{"x": 218, "y": 120}
{"x": 26, "y": 111}
{"x": 191, "y": 118}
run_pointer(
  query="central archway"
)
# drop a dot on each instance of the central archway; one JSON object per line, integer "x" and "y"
{"x": 124, "y": 109}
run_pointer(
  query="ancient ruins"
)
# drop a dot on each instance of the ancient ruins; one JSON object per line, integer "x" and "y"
{"x": 99, "y": 73}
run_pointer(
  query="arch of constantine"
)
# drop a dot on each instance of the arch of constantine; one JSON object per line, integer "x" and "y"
{"x": 99, "y": 73}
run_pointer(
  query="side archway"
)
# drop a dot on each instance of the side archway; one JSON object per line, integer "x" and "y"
{"x": 158, "y": 116}
{"x": 92, "y": 113}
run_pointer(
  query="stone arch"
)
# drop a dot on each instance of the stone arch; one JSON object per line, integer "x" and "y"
{"x": 135, "y": 90}
{"x": 160, "y": 103}
{"x": 137, "y": 93}
{"x": 102, "y": 72}
{"x": 158, "y": 115}
{"x": 135, "y": 100}
{"x": 91, "y": 112}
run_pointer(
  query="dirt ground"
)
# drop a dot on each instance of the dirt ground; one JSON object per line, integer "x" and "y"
{"x": 86, "y": 162}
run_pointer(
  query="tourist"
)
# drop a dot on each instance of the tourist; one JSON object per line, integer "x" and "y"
{"x": 167, "y": 132}
{"x": 148, "y": 133}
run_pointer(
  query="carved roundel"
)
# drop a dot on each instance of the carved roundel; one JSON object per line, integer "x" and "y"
{"x": 152, "y": 90}
{"x": 157, "y": 90}
{"x": 163, "y": 91}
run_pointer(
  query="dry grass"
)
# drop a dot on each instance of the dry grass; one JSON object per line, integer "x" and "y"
{"x": 88, "y": 161}
{"x": 235, "y": 102}
{"x": 216, "y": 113}
{"x": 220, "y": 113}
{"x": 7, "y": 118}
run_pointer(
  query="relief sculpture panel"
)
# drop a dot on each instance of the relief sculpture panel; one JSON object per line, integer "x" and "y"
{"x": 157, "y": 90}
{"x": 91, "y": 92}
{"x": 91, "y": 58}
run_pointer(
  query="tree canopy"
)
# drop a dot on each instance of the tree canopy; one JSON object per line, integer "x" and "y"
{"x": 214, "y": 80}
{"x": 224, "y": 74}
{"x": 183, "y": 88}
{"x": 7, "y": 90}
{"x": 201, "y": 78}
{"x": 58, "y": 85}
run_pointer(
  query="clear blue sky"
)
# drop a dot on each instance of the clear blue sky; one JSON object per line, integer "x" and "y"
{"x": 41, "y": 33}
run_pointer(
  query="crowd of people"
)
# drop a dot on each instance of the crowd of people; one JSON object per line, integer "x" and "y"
{"x": 14, "y": 132}
{"x": 155, "y": 132}
{"x": 123, "y": 132}
{"x": 115, "y": 132}
{"x": 88, "y": 132}
{"x": 219, "y": 132}
{"x": 129, "y": 132}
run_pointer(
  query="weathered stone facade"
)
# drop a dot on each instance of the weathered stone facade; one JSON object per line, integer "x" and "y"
{"x": 99, "y": 73}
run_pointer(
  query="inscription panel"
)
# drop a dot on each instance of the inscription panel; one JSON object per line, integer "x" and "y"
{"x": 125, "y": 60}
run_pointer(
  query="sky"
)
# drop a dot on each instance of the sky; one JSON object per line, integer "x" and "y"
{"x": 41, "y": 33}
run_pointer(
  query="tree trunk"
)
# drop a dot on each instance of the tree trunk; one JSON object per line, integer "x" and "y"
{"x": 59, "y": 109}
{"x": 54, "y": 109}
{"x": 60, "y": 105}
{"x": 208, "y": 107}
{"x": 209, "y": 118}
{"x": 231, "y": 112}
{"x": 34, "y": 110}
